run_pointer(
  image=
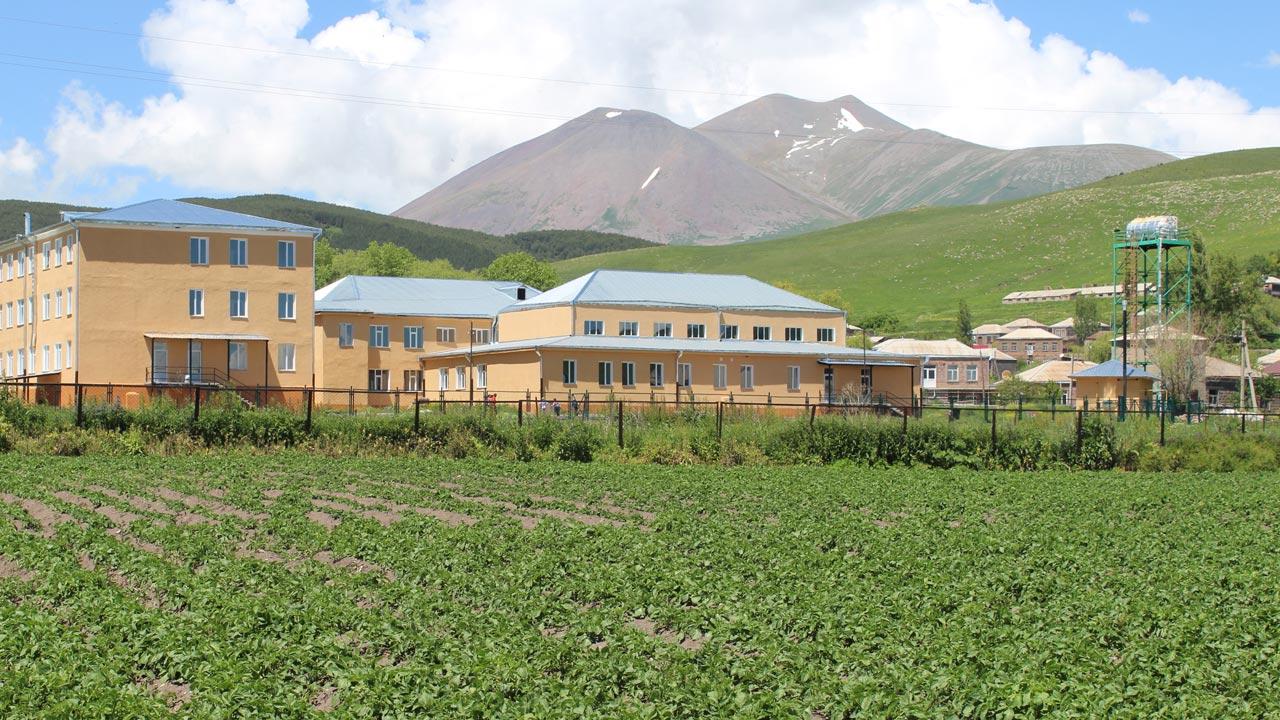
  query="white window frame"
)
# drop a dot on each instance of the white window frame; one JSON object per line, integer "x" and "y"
{"x": 57, "y": 303}
{"x": 480, "y": 336}
{"x": 569, "y": 372}
{"x": 695, "y": 331}
{"x": 413, "y": 381}
{"x": 242, "y": 306}
{"x": 794, "y": 334}
{"x": 953, "y": 373}
{"x": 592, "y": 327}
{"x": 237, "y": 356}
{"x": 720, "y": 376}
{"x": 628, "y": 328}
{"x": 662, "y": 329}
{"x": 604, "y": 373}
{"x": 286, "y": 357}
{"x": 69, "y": 303}
{"x": 728, "y": 332}
{"x": 793, "y": 377}
{"x": 346, "y": 335}
{"x": 826, "y": 335}
{"x": 761, "y": 332}
{"x": 243, "y": 245}
{"x": 929, "y": 373}
{"x": 628, "y": 374}
{"x": 971, "y": 373}
{"x": 46, "y": 306}
{"x": 482, "y": 376}
{"x": 747, "y": 375}
{"x": 657, "y": 374}
{"x": 442, "y": 378}
{"x": 46, "y": 250}
{"x": 684, "y": 374}
{"x": 379, "y": 380}
{"x": 413, "y": 337}
{"x": 460, "y": 374}
{"x": 380, "y": 337}
{"x": 71, "y": 249}
{"x": 195, "y": 302}
{"x": 57, "y": 252}
{"x": 287, "y": 306}
{"x": 286, "y": 254}
{"x": 446, "y": 335}
{"x": 198, "y": 250}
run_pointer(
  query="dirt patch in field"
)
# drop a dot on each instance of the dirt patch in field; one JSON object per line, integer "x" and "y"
{"x": 272, "y": 493}
{"x": 148, "y": 595}
{"x": 990, "y": 517}
{"x": 516, "y": 511}
{"x": 555, "y": 632}
{"x": 216, "y": 492}
{"x": 174, "y": 695}
{"x": 326, "y": 700}
{"x": 119, "y": 518}
{"x": 46, "y": 517}
{"x": 214, "y": 506}
{"x": 353, "y": 564}
{"x": 650, "y": 628}
{"x": 384, "y": 518}
{"x": 323, "y": 519}
{"x": 449, "y": 518}
{"x": 137, "y": 502}
{"x": 11, "y": 569}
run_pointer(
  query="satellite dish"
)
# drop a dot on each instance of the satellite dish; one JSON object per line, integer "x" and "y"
{"x": 1005, "y": 375}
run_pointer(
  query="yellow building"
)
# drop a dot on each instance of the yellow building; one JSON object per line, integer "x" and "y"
{"x": 668, "y": 336}
{"x": 162, "y": 292}
{"x": 1102, "y": 386}
{"x": 371, "y": 331}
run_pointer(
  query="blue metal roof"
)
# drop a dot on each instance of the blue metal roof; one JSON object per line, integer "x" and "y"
{"x": 178, "y": 213}
{"x": 822, "y": 352}
{"x": 1112, "y": 369}
{"x": 418, "y": 296}
{"x": 697, "y": 290}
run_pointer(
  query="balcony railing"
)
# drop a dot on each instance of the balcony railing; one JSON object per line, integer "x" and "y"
{"x": 183, "y": 375}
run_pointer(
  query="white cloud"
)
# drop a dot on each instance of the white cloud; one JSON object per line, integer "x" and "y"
{"x": 951, "y": 65}
{"x": 1140, "y": 17}
{"x": 1273, "y": 59}
{"x": 19, "y": 165}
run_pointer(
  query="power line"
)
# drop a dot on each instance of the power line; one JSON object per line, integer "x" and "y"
{"x": 616, "y": 85}
{"x": 153, "y": 76}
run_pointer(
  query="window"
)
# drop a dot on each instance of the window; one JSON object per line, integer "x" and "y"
{"x": 379, "y": 336}
{"x": 655, "y": 374}
{"x": 199, "y": 251}
{"x": 46, "y": 357}
{"x": 569, "y": 372}
{"x": 57, "y": 253}
{"x": 953, "y": 373}
{"x": 929, "y": 373}
{"x": 1045, "y": 346}
{"x": 444, "y": 334}
{"x": 238, "y": 356}
{"x": 460, "y": 374}
{"x": 826, "y": 335}
{"x": 604, "y": 374}
{"x": 748, "y": 377}
{"x": 71, "y": 248}
{"x": 68, "y": 353}
{"x": 684, "y": 374}
{"x": 22, "y": 362}
{"x": 728, "y": 332}
{"x": 8, "y": 315}
{"x": 21, "y": 263}
{"x": 443, "y": 380}
{"x": 628, "y": 328}
{"x": 720, "y": 376}
{"x": 46, "y": 306}
{"x": 696, "y": 331}
{"x": 1031, "y": 349}
{"x": 413, "y": 337}
{"x": 971, "y": 373}
{"x": 286, "y": 306}
{"x": 238, "y": 252}
{"x": 794, "y": 334}
{"x": 761, "y": 332}
{"x": 793, "y": 377}
{"x": 286, "y": 354}
{"x": 346, "y": 335}
{"x": 482, "y": 376}
{"x": 57, "y": 356}
{"x": 57, "y": 304}
{"x": 413, "y": 380}
{"x": 45, "y": 251}
{"x": 69, "y": 302}
{"x": 592, "y": 327}
{"x": 285, "y": 255}
{"x": 662, "y": 329}
{"x": 22, "y": 313}
{"x": 628, "y": 374}
{"x": 480, "y": 336}
{"x": 865, "y": 379}
{"x": 239, "y": 304}
{"x": 195, "y": 303}
{"x": 379, "y": 380}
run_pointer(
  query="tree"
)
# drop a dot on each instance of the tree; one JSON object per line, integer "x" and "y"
{"x": 1099, "y": 351}
{"x": 964, "y": 323}
{"x": 1087, "y": 320}
{"x": 522, "y": 267}
{"x": 325, "y": 254}
{"x": 388, "y": 260}
{"x": 835, "y": 299}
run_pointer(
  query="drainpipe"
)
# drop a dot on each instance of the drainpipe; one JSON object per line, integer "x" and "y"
{"x": 542, "y": 383}
{"x": 679, "y": 355}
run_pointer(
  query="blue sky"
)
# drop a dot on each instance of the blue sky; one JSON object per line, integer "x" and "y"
{"x": 1228, "y": 43}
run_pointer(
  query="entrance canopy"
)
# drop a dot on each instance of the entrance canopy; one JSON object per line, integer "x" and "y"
{"x": 203, "y": 336}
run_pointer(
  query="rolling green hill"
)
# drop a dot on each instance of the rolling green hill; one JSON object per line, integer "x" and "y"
{"x": 920, "y": 263}
{"x": 352, "y": 228}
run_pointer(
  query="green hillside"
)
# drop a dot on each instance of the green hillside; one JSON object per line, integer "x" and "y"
{"x": 349, "y": 228}
{"x": 920, "y": 263}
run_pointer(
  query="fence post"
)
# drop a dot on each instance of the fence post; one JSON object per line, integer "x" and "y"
{"x": 993, "y": 431}
{"x": 951, "y": 412}
{"x": 904, "y": 423}
{"x": 813, "y": 410}
{"x": 351, "y": 401}
{"x": 619, "y": 423}
{"x": 1080, "y": 433}
{"x": 79, "y": 403}
{"x": 197, "y": 407}
{"x": 719, "y": 420}
{"x": 519, "y": 413}
{"x": 310, "y": 402}
{"x": 397, "y": 400}
{"x": 1242, "y": 416}
{"x": 417, "y": 416}
{"x": 1019, "y": 407}
{"x": 1163, "y": 409}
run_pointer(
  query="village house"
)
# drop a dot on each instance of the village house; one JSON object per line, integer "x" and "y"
{"x": 1103, "y": 385}
{"x": 948, "y": 368}
{"x": 1056, "y": 372}
{"x": 671, "y": 336}
{"x": 161, "y": 292}
{"x": 1030, "y": 344}
{"x": 986, "y": 334}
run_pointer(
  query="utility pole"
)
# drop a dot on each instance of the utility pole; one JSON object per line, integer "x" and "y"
{"x": 471, "y": 363}
{"x": 1124, "y": 361}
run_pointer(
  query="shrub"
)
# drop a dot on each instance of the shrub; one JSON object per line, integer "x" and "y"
{"x": 578, "y": 442}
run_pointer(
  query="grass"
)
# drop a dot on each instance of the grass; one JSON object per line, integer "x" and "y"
{"x": 242, "y": 585}
{"x": 920, "y": 263}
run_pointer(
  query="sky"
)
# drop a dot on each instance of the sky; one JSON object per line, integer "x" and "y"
{"x": 373, "y": 103}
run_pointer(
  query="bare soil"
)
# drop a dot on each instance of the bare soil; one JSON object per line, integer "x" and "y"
{"x": 174, "y": 695}
{"x": 11, "y": 569}
{"x": 382, "y": 517}
{"x": 214, "y": 506}
{"x": 323, "y": 519}
{"x": 119, "y": 518}
{"x": 46, "y": 517}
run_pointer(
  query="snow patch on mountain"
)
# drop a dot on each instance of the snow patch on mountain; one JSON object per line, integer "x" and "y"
{"x": 613, "y": 113}
{"x": 649, "y": 179}
{"x": 849, "y": 122}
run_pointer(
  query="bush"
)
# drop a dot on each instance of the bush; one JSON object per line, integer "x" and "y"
{"x": 578, "y": 442}
{"x": 8, "y": 438}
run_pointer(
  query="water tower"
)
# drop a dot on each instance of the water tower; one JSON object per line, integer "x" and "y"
{"x": 1151, "y": 270}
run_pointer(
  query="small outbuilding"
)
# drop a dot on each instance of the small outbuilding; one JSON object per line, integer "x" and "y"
{"x": 1102, "y": 385}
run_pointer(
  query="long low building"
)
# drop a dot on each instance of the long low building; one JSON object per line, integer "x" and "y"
{"x": 670, "y": 335}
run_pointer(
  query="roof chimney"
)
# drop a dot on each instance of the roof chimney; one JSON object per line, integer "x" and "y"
{"x": 26, "y": 223}
{"x": 521, "y": 293}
